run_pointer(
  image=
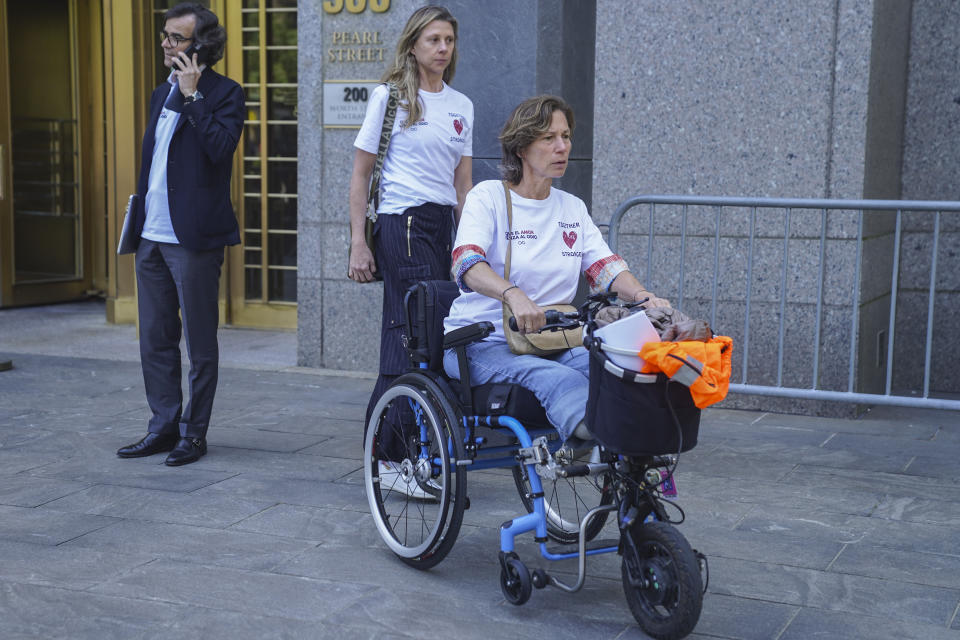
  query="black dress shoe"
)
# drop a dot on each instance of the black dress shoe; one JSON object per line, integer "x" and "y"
{"x": 150, "y": 444}
{"x": 187, "y": 450}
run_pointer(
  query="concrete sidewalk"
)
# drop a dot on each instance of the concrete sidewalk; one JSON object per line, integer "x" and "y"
{"x": 815, "y": 528}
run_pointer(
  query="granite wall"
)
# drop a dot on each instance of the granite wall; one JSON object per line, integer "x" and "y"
{"x": 751, "y": 98}
{"x": 931, "y": 164}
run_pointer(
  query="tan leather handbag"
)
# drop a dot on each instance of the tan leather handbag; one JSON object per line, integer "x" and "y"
{"x": 536, "y": 344}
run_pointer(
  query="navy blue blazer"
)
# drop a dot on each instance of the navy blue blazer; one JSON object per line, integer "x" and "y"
{"x": 199, "y": 162}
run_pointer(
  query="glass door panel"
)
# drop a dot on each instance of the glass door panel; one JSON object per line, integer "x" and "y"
{"x": 43, "y": 245}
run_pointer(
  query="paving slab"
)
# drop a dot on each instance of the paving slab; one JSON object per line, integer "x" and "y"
{"x": 828, "y": 625}
{"x": 203, "y": 545}
{"x": 918, "y": 567}
{"x": 46, "y": 527}
{"x": 64, "y": 567}
{"x": 904, "y": 602}
{"x": 229, "y": 589}
{"x": 32, "y": 611}
{"x": 157, "y": 506}
{"x": 27, "y": 491}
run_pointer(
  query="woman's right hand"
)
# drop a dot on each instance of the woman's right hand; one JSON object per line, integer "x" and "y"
{"x": 362, "y": 265}
{"x": 530, "y": 317}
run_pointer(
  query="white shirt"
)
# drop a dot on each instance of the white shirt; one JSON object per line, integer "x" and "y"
{"x": 554, "y": 240}
{"x": 158, "y": 226}
{"x": 422, "y": 158}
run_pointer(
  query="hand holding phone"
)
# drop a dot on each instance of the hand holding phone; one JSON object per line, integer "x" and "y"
{"x": 188, "y": 75}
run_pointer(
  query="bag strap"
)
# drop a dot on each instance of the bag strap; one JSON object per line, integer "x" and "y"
{"x": 389, "y": 115}
{"x": 506, "y": 262}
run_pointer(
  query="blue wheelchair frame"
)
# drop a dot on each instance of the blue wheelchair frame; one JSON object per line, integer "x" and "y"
{"x": 650, "y": 546}
{"x": 536, "y": 520}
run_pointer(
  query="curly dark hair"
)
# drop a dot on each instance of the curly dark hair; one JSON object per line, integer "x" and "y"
{"x": 207, "y": 33}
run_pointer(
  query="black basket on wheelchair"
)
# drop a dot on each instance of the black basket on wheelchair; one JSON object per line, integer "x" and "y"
{"x": 638, "y": 414}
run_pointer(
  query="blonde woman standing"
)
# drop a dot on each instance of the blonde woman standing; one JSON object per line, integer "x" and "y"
{"x": 425, "y": 178}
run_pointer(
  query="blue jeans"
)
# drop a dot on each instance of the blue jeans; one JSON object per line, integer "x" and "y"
{"x": 559, "y": 381}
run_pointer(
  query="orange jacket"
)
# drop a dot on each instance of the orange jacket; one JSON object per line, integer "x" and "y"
{"x": 704, "y": 367}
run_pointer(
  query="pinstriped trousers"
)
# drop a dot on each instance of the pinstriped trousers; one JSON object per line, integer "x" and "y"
{"x": 410, "y": 247}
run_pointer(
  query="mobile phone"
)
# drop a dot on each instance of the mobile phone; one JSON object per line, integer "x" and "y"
{"x": 196, "y": 49}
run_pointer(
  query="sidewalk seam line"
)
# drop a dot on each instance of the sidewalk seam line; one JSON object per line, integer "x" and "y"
{"x": 788, "y": 623}
{"x": 954, "y": 617}
{"x": 843, "y": 548}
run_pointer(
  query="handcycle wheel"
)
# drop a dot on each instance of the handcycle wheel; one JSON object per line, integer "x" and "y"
{"x": 420, "y": 531}
{"x": 515, "y": 581}
{"x": 661, "y": 580}
{"x": 567, "y": 500}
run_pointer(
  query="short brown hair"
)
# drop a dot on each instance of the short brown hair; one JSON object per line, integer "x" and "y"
{"x": 530, "y": 120}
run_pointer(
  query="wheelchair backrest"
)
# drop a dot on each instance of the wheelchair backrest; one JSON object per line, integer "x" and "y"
{"x": 426, "y": 304}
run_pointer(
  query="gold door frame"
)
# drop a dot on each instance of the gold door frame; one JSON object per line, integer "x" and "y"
{"x": 128, "y": 81}
{"x": 6, "y": 173}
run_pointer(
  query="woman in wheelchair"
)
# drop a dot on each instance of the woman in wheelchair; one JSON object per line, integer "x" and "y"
{"x": 553, "y": 241}
{"x": 543, "y": 239}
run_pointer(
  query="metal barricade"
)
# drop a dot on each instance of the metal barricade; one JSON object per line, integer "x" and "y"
{"x": 742, "y": 213}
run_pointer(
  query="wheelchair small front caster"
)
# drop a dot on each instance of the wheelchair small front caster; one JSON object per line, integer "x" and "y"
{"x": 515, "y": 580}
{"x": 539, "y": 578}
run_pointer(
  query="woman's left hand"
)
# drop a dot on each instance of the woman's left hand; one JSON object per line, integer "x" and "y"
{"x": 652, "y": 301}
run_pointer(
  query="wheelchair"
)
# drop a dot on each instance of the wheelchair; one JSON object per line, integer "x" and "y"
{"x": 432, "y": 430}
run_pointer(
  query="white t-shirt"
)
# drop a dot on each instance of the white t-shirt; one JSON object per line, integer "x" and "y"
{"x": 554, "y": 240}
{"x": 158, "y": 226}
{"x": 421, "y": 159}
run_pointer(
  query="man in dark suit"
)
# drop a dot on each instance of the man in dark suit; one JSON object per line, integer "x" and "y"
{"x": 183, "y": 220}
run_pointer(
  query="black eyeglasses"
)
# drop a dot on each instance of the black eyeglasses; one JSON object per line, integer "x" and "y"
{"x": 175, "y": 38}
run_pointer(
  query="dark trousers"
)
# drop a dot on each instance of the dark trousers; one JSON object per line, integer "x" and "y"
{"x": 175, "y": 283}
{"x": 410, "y": 247}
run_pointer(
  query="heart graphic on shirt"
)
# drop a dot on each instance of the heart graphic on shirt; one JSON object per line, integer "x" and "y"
{"x": 458, "y": 126}
{"x": 570, "y": 238}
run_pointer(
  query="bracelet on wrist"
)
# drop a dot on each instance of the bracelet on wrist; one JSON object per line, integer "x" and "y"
{"x": 503, "y": 296}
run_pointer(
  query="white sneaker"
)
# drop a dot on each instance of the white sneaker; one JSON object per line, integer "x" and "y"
{"x": 396, "y": 476}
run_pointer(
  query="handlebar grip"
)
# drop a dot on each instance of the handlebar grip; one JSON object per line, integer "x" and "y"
{"x": 553, "y": 317}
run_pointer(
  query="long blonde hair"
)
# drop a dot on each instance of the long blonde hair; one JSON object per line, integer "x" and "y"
{"x": 404, "y": 72}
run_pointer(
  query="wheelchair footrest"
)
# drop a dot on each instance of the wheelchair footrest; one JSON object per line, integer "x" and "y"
{"x": 593, "y": 545}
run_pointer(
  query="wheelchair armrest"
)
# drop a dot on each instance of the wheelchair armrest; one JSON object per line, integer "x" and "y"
{"x": 467, "y": 335}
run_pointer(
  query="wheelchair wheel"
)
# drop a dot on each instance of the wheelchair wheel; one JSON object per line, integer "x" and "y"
{"x": 567, "y": 500}
{"x": 515, "y": 583}
{"x": 415, "y": 489}
{"x": 661, "y": 580}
